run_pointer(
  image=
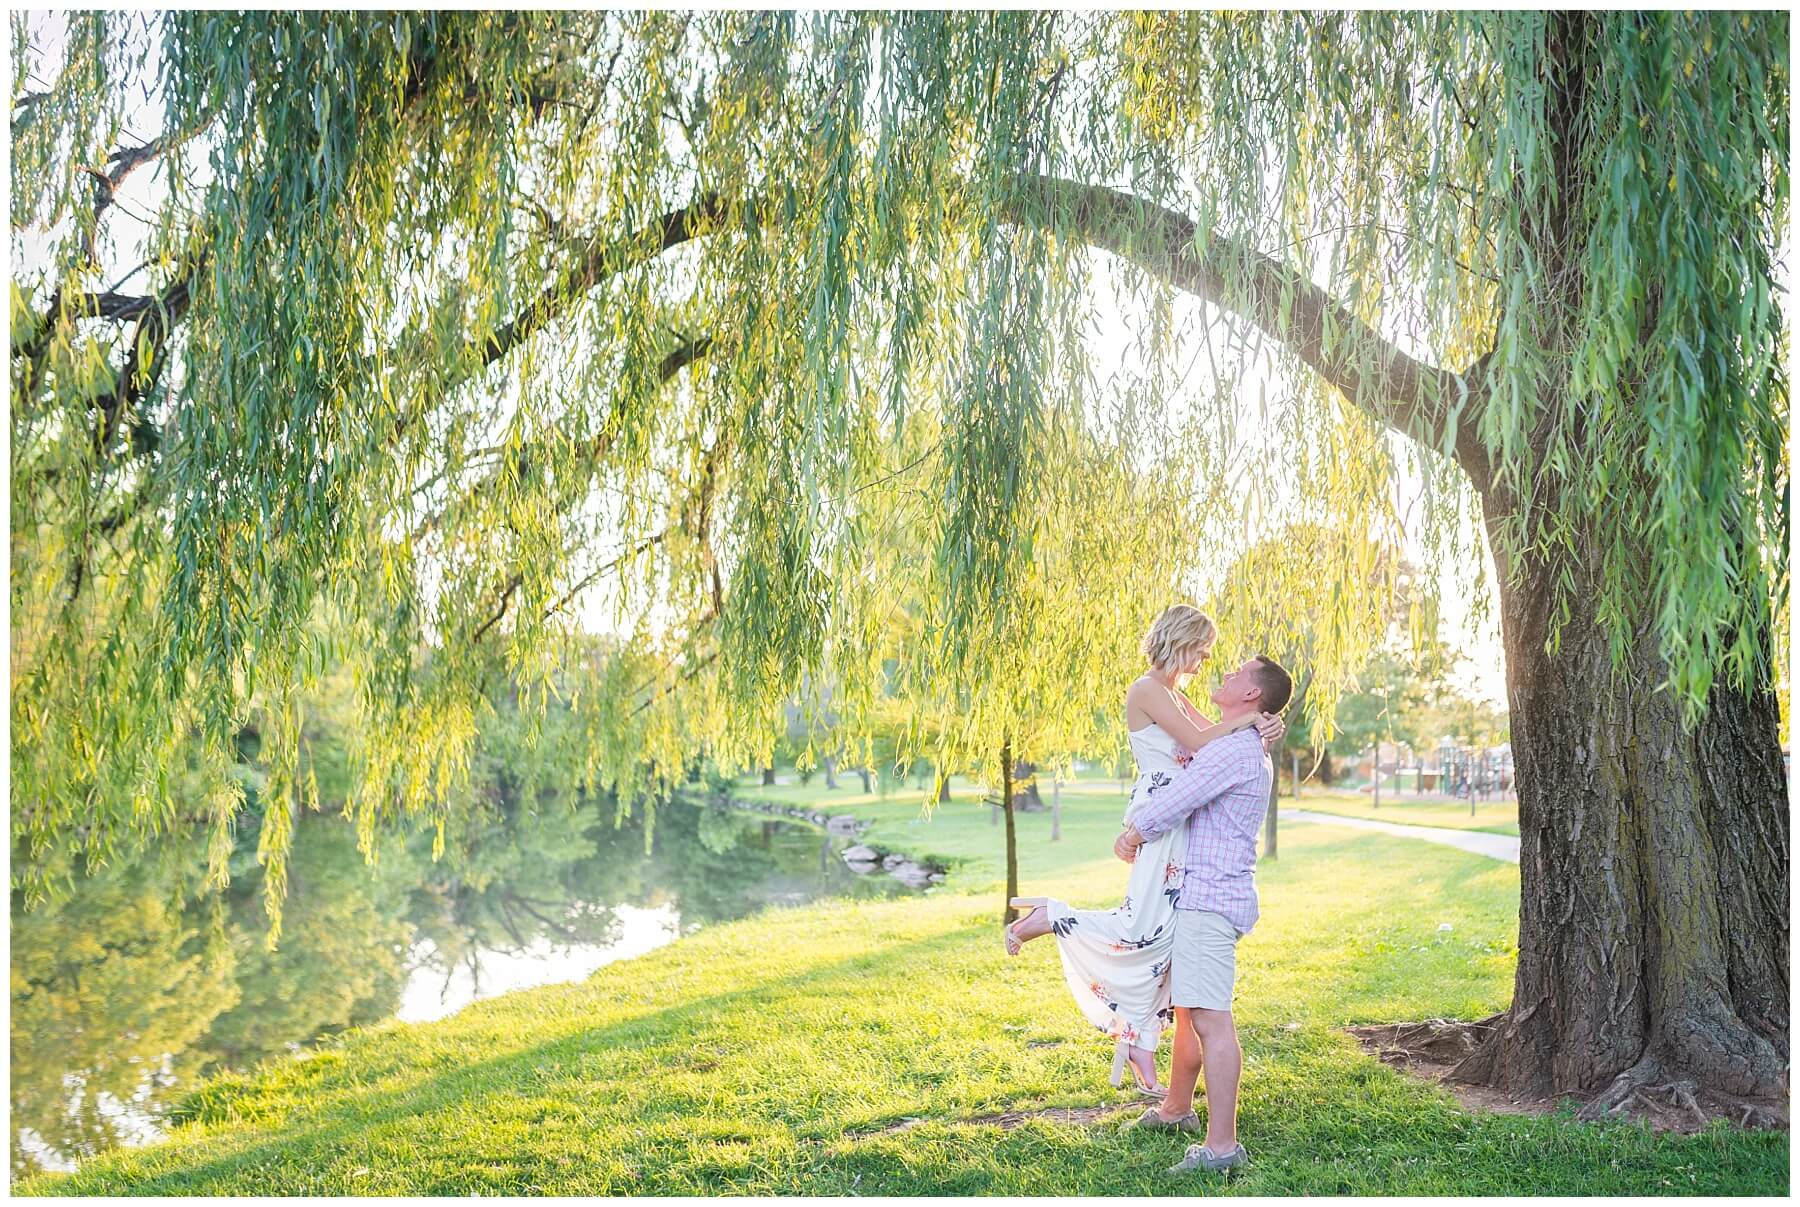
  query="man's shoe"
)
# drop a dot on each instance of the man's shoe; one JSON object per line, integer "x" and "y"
{"x": 1151, "y": 1121}
{"x": 1199, "y": 1156}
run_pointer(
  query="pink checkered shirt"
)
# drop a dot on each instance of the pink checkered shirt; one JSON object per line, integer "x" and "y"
{"x": 1223, "y": 795}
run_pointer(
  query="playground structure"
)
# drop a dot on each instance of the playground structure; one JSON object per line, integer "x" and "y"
{"x": 1450, "y": 771}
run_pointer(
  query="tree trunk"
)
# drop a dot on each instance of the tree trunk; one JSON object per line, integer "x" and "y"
{"x": 868, "y": 787}
{"x": 1027, "y": 799}
{"x": 830, "y": 765}
{"x": 1012, "y": 837}
{"x": 1653, "y": 860}
{"x": 768, "y": 777}
{"x": 943, "y": 790}
{"x": 1653, "y": 928}
{"x": 1268, "y": 851}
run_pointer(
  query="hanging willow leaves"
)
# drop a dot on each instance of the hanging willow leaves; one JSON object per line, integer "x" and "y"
{"x": 767, "y": 342}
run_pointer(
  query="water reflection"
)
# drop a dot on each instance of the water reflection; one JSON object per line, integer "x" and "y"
{"x": 544, "y": 961}
{"x": 142, "y": 982}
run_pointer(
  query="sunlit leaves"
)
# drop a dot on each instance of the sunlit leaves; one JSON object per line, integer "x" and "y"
{"x": 748, "y": 335}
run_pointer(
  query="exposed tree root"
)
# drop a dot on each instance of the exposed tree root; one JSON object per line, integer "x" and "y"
{"x": 1437, "y": 1050}
{"x": 1624, "y": 1091}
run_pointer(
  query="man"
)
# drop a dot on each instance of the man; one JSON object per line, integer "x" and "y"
{"x": 1221, "y": 796}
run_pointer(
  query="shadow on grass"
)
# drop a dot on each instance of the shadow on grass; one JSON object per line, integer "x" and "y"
{"x": 333, "y": 1124}
{"x": 1318, "y": 1115}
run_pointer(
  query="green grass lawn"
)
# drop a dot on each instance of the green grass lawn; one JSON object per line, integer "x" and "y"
{"x": 1493, "y": 817}
{"x": 863, "y": 1048}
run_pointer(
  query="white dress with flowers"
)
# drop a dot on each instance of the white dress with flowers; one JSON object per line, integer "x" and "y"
{"x": 1117, "y": 960}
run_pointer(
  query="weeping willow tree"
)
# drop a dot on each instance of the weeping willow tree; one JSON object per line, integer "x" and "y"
{"x": 1097, "y": 552}
{"x": 1273, "y": 603}
{"x": 409, "y": 340}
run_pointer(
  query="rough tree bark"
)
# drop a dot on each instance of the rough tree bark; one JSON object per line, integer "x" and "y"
{"x": 1653, "y": 926}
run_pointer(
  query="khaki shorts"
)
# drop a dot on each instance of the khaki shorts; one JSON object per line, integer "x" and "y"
{"x": 1205, "y": 960}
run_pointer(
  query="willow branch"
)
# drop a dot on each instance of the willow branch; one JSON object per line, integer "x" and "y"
{"x": 642, "y": 546}
{"x": 1418, "y": 400}
{"x": 144, "y": 363}
{"x": 686, "y": 354}
{"x": 122, "y": 163}
{"x": 680, "y": 358}
{"x": 600, "y": 260}
{"x": 687, "y": 673}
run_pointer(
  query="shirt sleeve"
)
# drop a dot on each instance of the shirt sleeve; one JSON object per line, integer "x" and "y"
{"x": 1205, "y": 781}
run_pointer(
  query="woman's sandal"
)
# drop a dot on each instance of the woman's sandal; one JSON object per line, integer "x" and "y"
{"x": 1122, "y": 1061}
{"x": 1014, "y": 944}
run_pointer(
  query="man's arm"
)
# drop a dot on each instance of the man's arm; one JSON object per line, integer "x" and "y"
{"x": 1213, "y": 773}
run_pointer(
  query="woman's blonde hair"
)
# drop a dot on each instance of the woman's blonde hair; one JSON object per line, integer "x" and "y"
{"x": 1177, "y": 635}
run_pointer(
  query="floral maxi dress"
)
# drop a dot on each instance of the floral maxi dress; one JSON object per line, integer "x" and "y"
{"x": 1117, "y": 960}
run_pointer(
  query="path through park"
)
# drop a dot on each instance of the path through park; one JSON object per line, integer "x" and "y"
{"x": 1494, "y": 846}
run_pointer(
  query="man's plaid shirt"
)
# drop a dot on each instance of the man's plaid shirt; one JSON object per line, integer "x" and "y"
{"x": 1222, "y": 794}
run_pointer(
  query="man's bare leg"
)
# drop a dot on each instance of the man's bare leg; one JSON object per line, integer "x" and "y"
{"x": 1224, "y": 1069}
{"x": 1184, "y": 1067}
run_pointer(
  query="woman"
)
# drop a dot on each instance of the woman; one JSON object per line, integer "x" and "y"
{"x": 1117, "y": 961}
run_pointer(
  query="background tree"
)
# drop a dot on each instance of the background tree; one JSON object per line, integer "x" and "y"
{"x": 1383, "y": 706}
{"x": 1045, "y": 676}
{"x": 1280, "y": 599}
{"x": 444, "y": 320}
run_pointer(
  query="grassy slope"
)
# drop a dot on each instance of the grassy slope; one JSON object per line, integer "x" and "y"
{"x": 765, "y": 1056}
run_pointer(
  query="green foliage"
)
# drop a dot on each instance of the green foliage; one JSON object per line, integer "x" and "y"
{"x": 453, "y": 325}
{"x": 1319, "y": 600}
{"x": 1385, "y": 705}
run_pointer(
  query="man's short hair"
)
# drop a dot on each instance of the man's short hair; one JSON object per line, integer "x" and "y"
{"x": 1276, "y": 684}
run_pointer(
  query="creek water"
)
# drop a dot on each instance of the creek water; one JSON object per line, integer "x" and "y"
{"x": 140, "y": 984}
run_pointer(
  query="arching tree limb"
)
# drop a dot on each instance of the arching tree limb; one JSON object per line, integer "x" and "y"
{"x": 1429, "y": 404}
{"x": 1424, "y": 402}
{"x": 600, "y": 260}
{"x": 686, "y": 354}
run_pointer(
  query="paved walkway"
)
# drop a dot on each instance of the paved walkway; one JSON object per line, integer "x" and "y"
{"x": 1494, "y": 846}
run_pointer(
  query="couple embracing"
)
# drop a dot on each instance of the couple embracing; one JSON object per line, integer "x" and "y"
{"x": 1169, "y": 952}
